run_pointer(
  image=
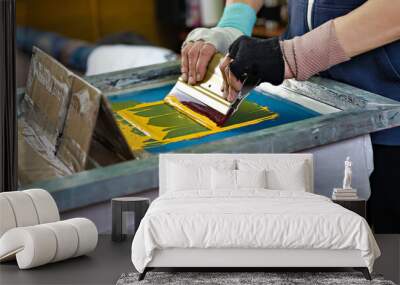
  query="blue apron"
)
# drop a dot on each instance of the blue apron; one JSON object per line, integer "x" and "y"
{"x": 377, "y": 71}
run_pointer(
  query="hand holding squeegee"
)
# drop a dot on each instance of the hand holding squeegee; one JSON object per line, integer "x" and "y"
{"x": 204, "y": 102}
{"x": 251, "y": 61}
{"x": 213, "y": 100}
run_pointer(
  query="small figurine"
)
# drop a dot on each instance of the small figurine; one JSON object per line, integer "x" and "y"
{"x": 347, "y": 192}
{"x": 347, "y": 174}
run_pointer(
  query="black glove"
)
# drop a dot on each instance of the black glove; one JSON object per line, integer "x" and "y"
{"x": 257, "y": 60}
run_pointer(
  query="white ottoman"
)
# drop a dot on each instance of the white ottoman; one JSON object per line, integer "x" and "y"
{"x": 31, "y": 231}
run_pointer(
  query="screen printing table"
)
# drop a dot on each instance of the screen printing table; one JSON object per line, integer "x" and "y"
{"x": 311, "y": 115}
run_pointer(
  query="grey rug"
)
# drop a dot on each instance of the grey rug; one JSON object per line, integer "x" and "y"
{"x": 243, "y": 278}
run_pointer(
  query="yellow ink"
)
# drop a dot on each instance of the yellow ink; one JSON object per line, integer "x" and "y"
{"x": 157, "y": 123}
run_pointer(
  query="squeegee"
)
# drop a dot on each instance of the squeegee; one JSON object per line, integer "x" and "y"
{"x": 204, "y": 102}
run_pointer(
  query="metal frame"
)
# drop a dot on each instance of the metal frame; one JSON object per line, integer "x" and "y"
{"x": 8, "y": 136}
{"x": 361, "y": 113}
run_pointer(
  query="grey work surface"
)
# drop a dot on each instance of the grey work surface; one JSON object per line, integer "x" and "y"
{"x": 103, "y": 266}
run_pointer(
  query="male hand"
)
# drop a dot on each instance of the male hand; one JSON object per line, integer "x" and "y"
{"x": 195, "y": 59}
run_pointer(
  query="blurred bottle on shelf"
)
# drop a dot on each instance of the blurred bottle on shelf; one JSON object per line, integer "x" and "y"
{"x": 211, "y": 12}
{"x": 272, "y": 14}
{"x": 271, "y": 19}
{"x": 193, "y": 13}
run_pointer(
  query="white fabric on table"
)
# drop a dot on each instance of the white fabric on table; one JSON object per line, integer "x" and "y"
{"x": 110, "y": 58}
{"x": 250, "y": 219}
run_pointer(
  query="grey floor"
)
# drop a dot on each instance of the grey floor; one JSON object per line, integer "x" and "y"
{"x": 388, "y": 264}
{"x": 110, "y": 260}
{"x": 103, "y": 266}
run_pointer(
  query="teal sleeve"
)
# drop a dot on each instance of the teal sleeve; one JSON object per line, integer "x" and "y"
{"x": 239, "y": 16}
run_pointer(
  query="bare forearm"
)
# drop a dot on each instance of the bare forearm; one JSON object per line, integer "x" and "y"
{"x": 255, "y": 4}
{"x": 370, "y": 26}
